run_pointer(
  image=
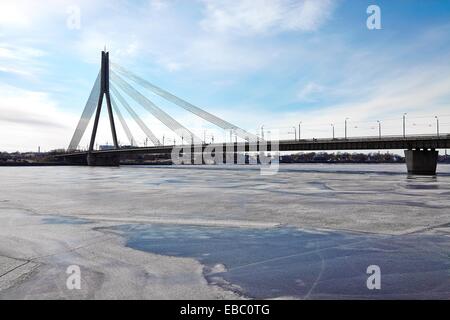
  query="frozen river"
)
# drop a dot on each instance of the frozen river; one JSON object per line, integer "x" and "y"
{"x": 309, "y": 231}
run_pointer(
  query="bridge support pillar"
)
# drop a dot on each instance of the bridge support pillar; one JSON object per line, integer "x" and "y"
{"x": 421, "y": 162}
{"x": 105, "y": 160}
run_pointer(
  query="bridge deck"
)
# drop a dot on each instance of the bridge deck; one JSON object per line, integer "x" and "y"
{"x": 360, "y": 143}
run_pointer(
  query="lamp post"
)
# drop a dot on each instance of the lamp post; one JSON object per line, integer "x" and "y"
{"x": 404, "y": 125}
{"x": 379, "y": 129}
{"x": 299, "y": 130}
{"x": 262, "y": 132}
{"x": 346, "y": 127}
{"x": 437, "y": 125}
{"x": 332, "y": 125}
{"x": 295, "y": 133}
{"x": 163, "y": 139}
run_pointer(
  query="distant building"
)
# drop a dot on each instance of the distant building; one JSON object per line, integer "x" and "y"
{"x": 106, "y": 147}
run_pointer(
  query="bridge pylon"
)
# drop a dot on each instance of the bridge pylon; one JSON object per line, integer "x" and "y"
{"x": 104, "y": 92}
{"x": 108, "y": 160}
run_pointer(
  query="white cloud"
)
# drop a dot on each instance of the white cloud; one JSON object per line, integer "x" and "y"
{"x": 15, "y": 14}
{"x": 309, "y": 92}
{"x": 159, "y": 4}
{"x": 263, "y": 16}
{"x": 32, "y": 15}
{"x": 19, "y": 60}
{"x": 219, "y": 54}
{"x": 161, "y": 33}
{"x": 29, "y": 119}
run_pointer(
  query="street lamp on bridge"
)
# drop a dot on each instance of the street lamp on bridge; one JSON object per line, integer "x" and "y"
{"x": 295, "y": 133}
{"x": 299, "y": 130}
{"x": 437, "y": 125}
{"x": 379, "y": 129}
{"x": 332, "y": 125}
{"x": 404, "y": 125}
{"x": 346, "y": 127}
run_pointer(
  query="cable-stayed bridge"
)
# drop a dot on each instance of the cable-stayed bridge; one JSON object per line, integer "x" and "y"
{"x": 115, "y": 80}
{"x": 116, "y": 84}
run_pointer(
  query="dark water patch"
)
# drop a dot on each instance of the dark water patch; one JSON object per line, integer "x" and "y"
{"x": 175, "y": 181}
{"x": 320, "y": 185}
{"x": 409, "y": 204}
{"x": 270, "y": 263}
{"x": 422, "y": 186}
{"x": 65, "y": 220}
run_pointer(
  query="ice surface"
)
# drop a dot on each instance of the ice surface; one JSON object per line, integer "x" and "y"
{"x": 269, "y": 263}
{"x": 44, "y": 213}
{"x": 368, "y": 198}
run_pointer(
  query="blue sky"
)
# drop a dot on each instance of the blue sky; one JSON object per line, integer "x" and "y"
{"x": 273, "y": 63}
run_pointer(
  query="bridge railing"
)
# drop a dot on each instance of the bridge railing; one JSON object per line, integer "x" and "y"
{"x": 373, "y": 138}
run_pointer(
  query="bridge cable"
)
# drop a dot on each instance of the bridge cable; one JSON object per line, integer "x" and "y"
{"x": 162, "y": 116}
{"x": 171, "y": 123}
{"x": 184, "y": 104}
{"x": 122, "y": 121}
{"x": 86, "y": 116}
{"x": 133, "y": 114}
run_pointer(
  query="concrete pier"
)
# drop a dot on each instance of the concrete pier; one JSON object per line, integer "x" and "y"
{"x": 421, "y": 162}
{"x": 110, "y": 160}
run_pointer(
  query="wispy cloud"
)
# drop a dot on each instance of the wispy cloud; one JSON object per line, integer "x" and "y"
{"x": 249, "y": 17}
{"x": 309, "y": 92}
{"x": 30, "y": 117}
{"x": 214, "y": 42}
{"x": 20, "y": 60}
